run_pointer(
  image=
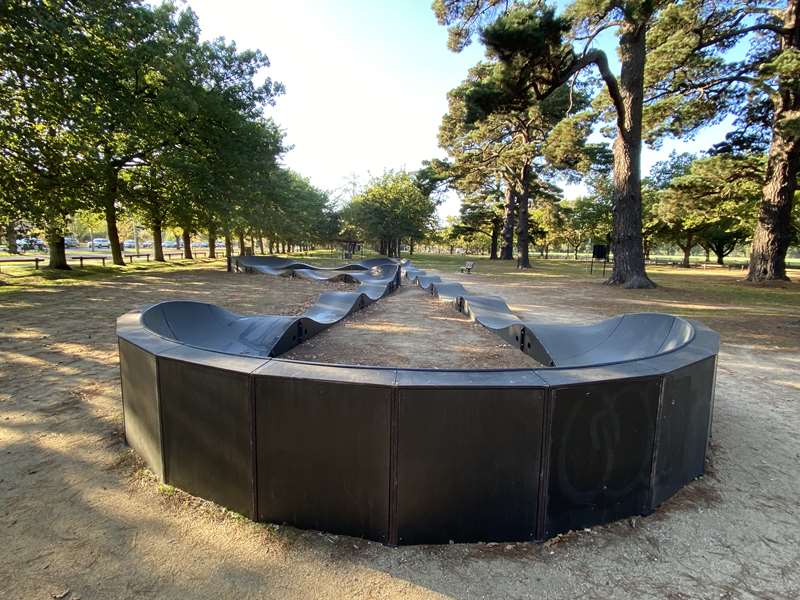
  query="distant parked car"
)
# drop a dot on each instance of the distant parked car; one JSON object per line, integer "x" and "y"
{"x": 169, "y": 244}
{"x": 31, "y": 243}
{"x": 71, "y": 242}
{"x": 199, "y": 244}
{"x": 100, "y": 243}
{"x": 129, "y": 244}
{"x": 219, "y": 244}
{"x": 147, "y": 244}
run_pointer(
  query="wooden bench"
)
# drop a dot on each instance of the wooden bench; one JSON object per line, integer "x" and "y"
{"x": 23, "y": 259}
{"x": 89, "y": 257}
{"x": 468, "y": 266}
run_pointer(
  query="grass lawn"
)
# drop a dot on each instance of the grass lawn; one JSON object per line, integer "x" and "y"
{"x": 82, "y": 516}
{"x": 718, "y": 296}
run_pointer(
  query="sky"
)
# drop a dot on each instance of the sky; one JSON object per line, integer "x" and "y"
{"x": 366, "y": 84}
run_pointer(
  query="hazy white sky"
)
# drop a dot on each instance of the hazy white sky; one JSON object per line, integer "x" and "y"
{"x": 366, "y": 82}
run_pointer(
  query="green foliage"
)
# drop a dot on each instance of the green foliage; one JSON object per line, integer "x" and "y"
{"x": 391, "y": 208}
{"x": 710, "y": 201}
{"x": 118, "y": 107}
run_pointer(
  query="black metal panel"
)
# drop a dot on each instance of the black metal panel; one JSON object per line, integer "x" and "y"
{"x": 468, "y": 464}
{"x": 207, "y": 417}
{"x": 683, "y": 428}
{"x": 601, "y": 452}
{"x": 439, "y": 379}
{"x": 419, "y": 456}
{"x": 323, "y": 454}
{"x": 140, "y": 404}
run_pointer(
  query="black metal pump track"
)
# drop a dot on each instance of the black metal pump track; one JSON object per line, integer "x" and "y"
{"x": 272, "y": 335}
{"x": 619, "y": 339}
{"x": 616, "y": 421}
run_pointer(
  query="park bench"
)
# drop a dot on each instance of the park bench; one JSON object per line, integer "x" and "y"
{"x": 89, "y": 257}
{"x": 468, "y": 266}
{"x": 23, "y": 259}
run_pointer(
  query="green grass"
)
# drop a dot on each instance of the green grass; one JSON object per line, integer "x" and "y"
{"x": 24, "y": 277}
{"x": 711, "y": 287}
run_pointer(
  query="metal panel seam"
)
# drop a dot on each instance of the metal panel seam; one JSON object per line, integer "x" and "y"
{"x": 122, "y": 392}
{"x": 544, "y": 464}
{"x": 394, "y": 425}
{"x": 161, "y": 437}
{"x": 251, "y": 383}
{"x": 656, "y": 440}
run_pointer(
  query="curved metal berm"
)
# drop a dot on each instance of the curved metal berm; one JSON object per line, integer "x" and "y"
{"x": 616, "y": 421}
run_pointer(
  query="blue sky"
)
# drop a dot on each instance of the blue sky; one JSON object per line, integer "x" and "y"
{"x": 366, "y": 83}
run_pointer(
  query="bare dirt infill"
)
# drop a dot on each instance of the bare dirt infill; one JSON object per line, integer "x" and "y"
{"x": 412, "y": 330}
{"x": 79, "y": 518}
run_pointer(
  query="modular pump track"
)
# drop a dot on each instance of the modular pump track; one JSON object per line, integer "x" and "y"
{"x": 616, "y": 421}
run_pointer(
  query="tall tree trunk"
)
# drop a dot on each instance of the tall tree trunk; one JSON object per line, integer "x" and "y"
{"x": 411, "y": 247}
{"x": 772, "y": 234}
{"x": 58, "y": 250}
{"x": 687, "y": 250}
{"x": 212, "y": 240}
{"x": 11, "y": 237}
{"x": 261, "y": 245}
{"x": 228, "y": 244}
{"x": 158, "y": 250}
{"x": 495, "y": 237}
{"x": 510, "y": 209}
{"x": 186, "y": 234}
{"x": 271, "y": 247}
{"x": 523, "y": 241}
{"x": 110, "y": 209}
{"x": 626, "y": 237}
{"x": 240, "y": 239}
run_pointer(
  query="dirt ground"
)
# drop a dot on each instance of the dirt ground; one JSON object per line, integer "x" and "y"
{"x": 410, "y": 329}
{"x": 79, "y": 518}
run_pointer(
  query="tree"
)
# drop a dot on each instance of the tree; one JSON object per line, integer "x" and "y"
{"x": 522, "y": 144}
{"x": 584, "y": 219}
{"x": 665, "y": 86}
{"x": 709, "y": 201}
{"x": 483, "y": 215}
{"x": 392, "y": 208}
{"x": 43, "y": 50}
{"x": 778, "y": 78}
{"x": 546, "y": 226}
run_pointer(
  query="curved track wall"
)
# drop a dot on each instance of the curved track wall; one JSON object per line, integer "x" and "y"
{"x": 407, "y": 456}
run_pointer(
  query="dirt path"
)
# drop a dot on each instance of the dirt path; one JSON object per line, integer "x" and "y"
{"x": 410, "y": 329}
{"x": 77, "y": 515}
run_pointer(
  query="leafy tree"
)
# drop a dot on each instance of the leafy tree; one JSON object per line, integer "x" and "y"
{"x": 712, "y": 202}
{"x": 43, "y": 50}
{"x": 483, "y": 215}
{"x": 670, "y": 80}
{"x": 584, "y": 219}
{"x": 393, "y": 207}
{"x": 769, "y": 104}
{"x": 547, "y": 226}
{"x": 523, "y": 144}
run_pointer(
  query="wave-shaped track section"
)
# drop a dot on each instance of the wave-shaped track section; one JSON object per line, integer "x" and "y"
{"x": 209, "y": 327}
{"x": 619, "y": 339}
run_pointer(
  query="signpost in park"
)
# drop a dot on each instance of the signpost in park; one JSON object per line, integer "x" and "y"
{"x": 600, "y": 252}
